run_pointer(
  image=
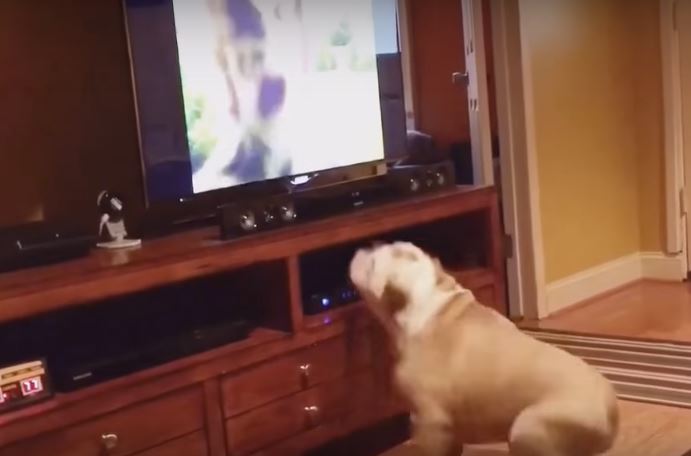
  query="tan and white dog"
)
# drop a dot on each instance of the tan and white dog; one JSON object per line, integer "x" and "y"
{"x": 470, "y": 375}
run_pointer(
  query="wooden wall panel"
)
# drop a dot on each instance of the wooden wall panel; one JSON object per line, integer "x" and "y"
{"x": 68, "y": 125}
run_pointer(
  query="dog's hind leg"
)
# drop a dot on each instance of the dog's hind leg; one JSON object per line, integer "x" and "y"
{"x": 557, "y": 429}
{"x": 531, "y": 437}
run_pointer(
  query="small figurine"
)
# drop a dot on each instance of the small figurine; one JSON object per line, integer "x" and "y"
{"x": 112, "y": 230}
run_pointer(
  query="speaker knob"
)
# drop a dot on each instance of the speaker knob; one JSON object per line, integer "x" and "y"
{"x": 269, "y": 217}
{"x": 287, "y": 213}
{"x": 248, "y": 221}
{"x": 440, "y": 179}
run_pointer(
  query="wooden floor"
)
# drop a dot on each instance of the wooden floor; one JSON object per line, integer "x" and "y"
{"x": 646, "y": 430}
{"x": 645, "y": 310}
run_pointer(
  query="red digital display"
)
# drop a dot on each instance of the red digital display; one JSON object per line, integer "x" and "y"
{"x": 32, "y": 386}
{"x": 23, "y": 384}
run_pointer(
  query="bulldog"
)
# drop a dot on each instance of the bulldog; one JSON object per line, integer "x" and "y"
{"x": 470, "y": 375}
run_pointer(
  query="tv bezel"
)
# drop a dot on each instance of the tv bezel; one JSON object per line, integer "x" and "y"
{"x": 203, "y": 206}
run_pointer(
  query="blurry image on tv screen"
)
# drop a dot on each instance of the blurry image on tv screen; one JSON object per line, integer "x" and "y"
{"x": 275, "y": 88}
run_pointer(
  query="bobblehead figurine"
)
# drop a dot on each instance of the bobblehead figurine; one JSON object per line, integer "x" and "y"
{"x": 112, "y": 230}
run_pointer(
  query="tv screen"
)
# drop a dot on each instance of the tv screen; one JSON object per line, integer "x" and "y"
{"x": 231, "y": 92}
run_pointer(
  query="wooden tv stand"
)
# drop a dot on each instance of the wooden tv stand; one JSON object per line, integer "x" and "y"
{"x": 295, "y": 384}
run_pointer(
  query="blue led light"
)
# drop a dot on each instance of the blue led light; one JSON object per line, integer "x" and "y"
{"x": 326, "y": 302}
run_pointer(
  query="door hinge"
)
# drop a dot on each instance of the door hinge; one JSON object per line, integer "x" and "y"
{"x": 508, "y": 246}
{"x": 682, "y": 202}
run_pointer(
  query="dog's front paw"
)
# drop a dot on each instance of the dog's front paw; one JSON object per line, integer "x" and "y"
{"x": 432, "y": 439}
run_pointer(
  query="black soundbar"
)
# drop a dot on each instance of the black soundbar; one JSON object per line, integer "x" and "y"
{"x": 41, "y": 243}
{"x": 262, "y": 214}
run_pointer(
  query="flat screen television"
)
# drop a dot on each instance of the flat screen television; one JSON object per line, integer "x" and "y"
{"x": 234, "y": 94}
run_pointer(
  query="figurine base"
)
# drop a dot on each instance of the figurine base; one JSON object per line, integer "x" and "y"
{"x": 120, "y": 244}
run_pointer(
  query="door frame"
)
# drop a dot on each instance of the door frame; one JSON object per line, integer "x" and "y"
{"x": 678, "y": 228}
{"x": 519, "y": 171}
{"x": 521, "y": 284}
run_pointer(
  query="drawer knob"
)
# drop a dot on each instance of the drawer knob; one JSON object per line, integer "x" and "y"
{"x": 305, "y": 370}
{"x": 109, "y": 441}
{"x": 312, "y": 413}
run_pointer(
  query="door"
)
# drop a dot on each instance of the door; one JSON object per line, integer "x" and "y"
{"x": 446, "y": 60}
{"x": 443, "y": 51}
{"x": 432, "y": 43}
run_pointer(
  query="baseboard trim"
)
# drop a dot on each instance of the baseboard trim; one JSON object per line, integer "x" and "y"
{"x": 609, "y": 276}
{"x": 659, "y": 266}
{"x": 592, "y": 282}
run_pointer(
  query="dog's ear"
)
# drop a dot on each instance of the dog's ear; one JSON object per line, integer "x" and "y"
{"x": 444, "y": 280}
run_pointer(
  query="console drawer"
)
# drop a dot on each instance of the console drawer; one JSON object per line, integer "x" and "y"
{"x": 122, "y": 433}
{"x": 279, "y": 420}
{"x": 191, "y": 445}
{"x": 294, "y": 373}
{"x": 300, "y": 444}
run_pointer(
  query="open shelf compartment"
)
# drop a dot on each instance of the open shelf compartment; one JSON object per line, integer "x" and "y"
{"x": 459, "y": 242}
{"x": 116, "y": 337}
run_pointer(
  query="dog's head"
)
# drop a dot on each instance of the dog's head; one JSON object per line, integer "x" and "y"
{"x": 394, "y": 277}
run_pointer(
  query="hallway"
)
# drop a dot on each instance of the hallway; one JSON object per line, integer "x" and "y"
{"x": 647, "y": 310}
